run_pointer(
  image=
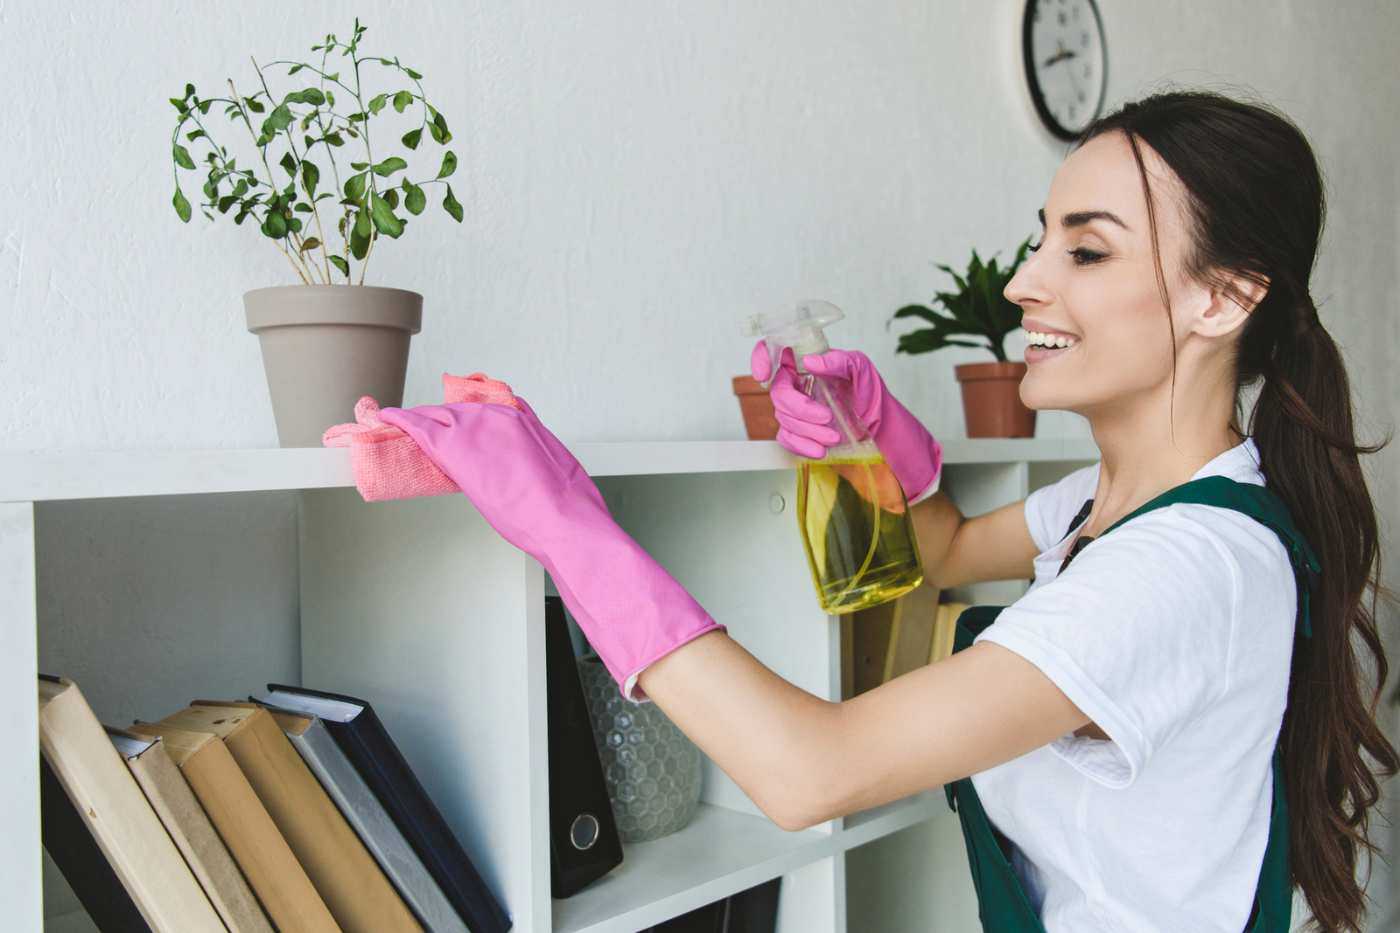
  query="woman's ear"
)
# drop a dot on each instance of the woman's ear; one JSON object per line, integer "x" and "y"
{"x": 1232, "y": 300}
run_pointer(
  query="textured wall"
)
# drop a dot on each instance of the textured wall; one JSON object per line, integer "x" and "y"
{"x": 636, "y": 178}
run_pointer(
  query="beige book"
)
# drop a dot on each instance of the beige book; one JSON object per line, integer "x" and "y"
{"x": 911, "y": 632}
{"x": 267, "y": 862}
{"x": 170, "y": 796}
{"x": 944, "y": 630}
{"x": 355, "y": 888}
{"x": 121, "y": 820}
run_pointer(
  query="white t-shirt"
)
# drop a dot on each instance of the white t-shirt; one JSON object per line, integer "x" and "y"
{"x": 1174, "y": 633}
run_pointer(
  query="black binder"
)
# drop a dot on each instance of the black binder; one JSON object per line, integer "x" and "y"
{"x": 584, "y": 843}
{"x": 367, "y": 744}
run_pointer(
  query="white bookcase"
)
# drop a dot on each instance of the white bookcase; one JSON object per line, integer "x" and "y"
{"x": 153, "y": 577}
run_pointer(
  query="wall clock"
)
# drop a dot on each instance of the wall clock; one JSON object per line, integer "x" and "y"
{"x": 1066, "y": 57}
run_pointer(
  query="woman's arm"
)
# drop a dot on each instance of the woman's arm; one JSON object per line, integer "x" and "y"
{"x": 804, "y": 760}
{"x": 957, "y": 550}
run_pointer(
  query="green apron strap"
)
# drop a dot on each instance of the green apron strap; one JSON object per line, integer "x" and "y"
{"x": 1001, "y": 901}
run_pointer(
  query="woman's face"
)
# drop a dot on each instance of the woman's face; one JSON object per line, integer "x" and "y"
{"x": 1093, "y": 278}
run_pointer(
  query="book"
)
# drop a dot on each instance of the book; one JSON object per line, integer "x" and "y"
{"x": 357, "y": 729}
{"x": 356, "y": 891}
{"x": 117, "y": 814}
{"x": 188, "y": 825}
{"x": 252, "y": 838}
{"x": 367, "y": 816}
{"x": 70, "y": 844}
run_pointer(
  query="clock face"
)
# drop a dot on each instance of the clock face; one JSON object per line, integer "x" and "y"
{"x": 1066, "y": 59}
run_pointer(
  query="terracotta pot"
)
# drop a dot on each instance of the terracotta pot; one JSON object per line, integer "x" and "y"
{"x": 757, "y": 407}
{"x": 324, "y": 346}
{"x": 992, "y": 403}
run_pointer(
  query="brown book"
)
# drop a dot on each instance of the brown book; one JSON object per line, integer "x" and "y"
{"x": 358, "y": 893}
{"x": 176, "y": 805}
{"x": 126, "y": 829}
{"x": 253, "y": 839}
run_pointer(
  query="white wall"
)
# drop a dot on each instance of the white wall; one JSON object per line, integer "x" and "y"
{"x": 637, "y": 177}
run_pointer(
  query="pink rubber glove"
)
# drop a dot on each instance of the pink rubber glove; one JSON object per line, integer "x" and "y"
{"x": 531, "y": 489}
{"x": 805, "y": 428}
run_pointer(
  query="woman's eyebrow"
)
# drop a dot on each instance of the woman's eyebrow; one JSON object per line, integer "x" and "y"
{"x": 1080, "y": 218}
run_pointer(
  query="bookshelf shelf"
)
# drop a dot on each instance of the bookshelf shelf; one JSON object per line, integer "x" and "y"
{"x": 153, "y": 577}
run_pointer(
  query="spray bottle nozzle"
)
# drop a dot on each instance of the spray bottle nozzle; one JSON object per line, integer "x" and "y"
{"x": 798, "y": 327}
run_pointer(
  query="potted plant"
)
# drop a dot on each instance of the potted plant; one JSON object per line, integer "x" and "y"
{"x": 992, "y": 405}
{"x": 330, "y": 339}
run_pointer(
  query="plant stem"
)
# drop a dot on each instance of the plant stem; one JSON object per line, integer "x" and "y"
{"x": 262, "y": 151}
{"x": 294, "y": 235}
{"x": 369, "y": 175}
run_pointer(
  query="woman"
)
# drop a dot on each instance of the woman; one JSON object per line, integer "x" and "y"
{"x": 1165, "y": 713}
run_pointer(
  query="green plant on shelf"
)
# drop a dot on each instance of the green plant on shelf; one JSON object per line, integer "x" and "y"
{"x": 366, "y": 199}
{"x": 978, "y": 308}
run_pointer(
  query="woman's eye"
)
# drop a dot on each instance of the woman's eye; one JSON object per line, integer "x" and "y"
{"x": 1084, "y": 257}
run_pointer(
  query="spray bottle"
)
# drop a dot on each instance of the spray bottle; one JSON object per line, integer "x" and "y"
{"x": 851, "y": 511}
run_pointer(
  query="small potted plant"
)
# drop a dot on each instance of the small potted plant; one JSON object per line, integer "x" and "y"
{"x": 331, "y": 339}
{"x": 992, "y": 405}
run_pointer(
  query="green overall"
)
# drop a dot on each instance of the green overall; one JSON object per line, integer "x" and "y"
{"x": 1002, "y": 903}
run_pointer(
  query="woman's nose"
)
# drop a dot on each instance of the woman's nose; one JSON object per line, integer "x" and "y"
{"x": 1025, "y": 286}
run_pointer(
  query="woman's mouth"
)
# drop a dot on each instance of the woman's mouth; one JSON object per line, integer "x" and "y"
{"x": 1042, "y": 346}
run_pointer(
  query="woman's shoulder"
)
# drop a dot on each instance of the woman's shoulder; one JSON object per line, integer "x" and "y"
{"x": 1050, "y": 508}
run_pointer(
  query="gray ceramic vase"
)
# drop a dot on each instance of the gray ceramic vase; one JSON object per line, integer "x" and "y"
{"x": 652, "y": 770}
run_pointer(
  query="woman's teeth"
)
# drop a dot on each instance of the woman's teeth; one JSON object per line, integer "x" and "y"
{"x": 1037, "y": 339}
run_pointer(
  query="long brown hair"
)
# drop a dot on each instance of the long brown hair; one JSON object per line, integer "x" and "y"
{"x": 1254, "y": 199}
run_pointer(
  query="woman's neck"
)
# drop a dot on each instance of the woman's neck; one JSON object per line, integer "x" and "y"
{"x": 1142, "y": 458}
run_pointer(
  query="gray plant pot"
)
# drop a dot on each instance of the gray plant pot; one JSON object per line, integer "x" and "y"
{"x": 324, "y": 346}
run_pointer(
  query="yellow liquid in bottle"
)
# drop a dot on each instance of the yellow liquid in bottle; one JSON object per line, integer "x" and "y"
{"x": 856, "y": 530}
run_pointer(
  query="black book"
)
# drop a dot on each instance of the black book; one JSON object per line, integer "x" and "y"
{"x": 364, "y": 740}
{"x": 75, "y": 852}
{"x": 754, "y": 910}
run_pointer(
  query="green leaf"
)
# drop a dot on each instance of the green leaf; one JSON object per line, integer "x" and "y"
{"x": 359, "y": 235}
{"x": 289, "y": 164}
{"x": 226, "y": 202}
{"x": 452, "y": 207}
{"x": 312, "y": 95}
{"x": 414, "y": 199}
{"x": 192, "y": 135}
{"x": 441, "y": 123}
{"x": 189, "y": 91}
{"x": 254, "y": 105}
{"x": 275, "y": 225}
{"x": 390, "y": 165}
{"x": 410, "y": 139}
{"x": 309, "y": 243}
{"x": 392, "y": 196}
{"x": 412, "y": 74}
{"x": 377, "y": 102}
{"x": 182, "y": 157}
{"x": 401, "y": 100}
{"x": 340, "y": 263}
{"x": 449, "y": 164}
{"x": 278, "y": 120}
{"x": 204, "y": 106}
{"x": 295, "y": 68}
{"x": 335, "y": 139}
{"x": 359, "y": 166}
{"x": 241, "y": 188}
{"x": 355, "y": 187}
{"x": 178, "y": 103}
{"x": 383, "y": 215}
{"x": 310, "y": 175}
{"x": 182, "y": 207}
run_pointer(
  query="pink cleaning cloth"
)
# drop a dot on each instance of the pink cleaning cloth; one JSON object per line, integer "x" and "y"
{"x": 386, "y": 462}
